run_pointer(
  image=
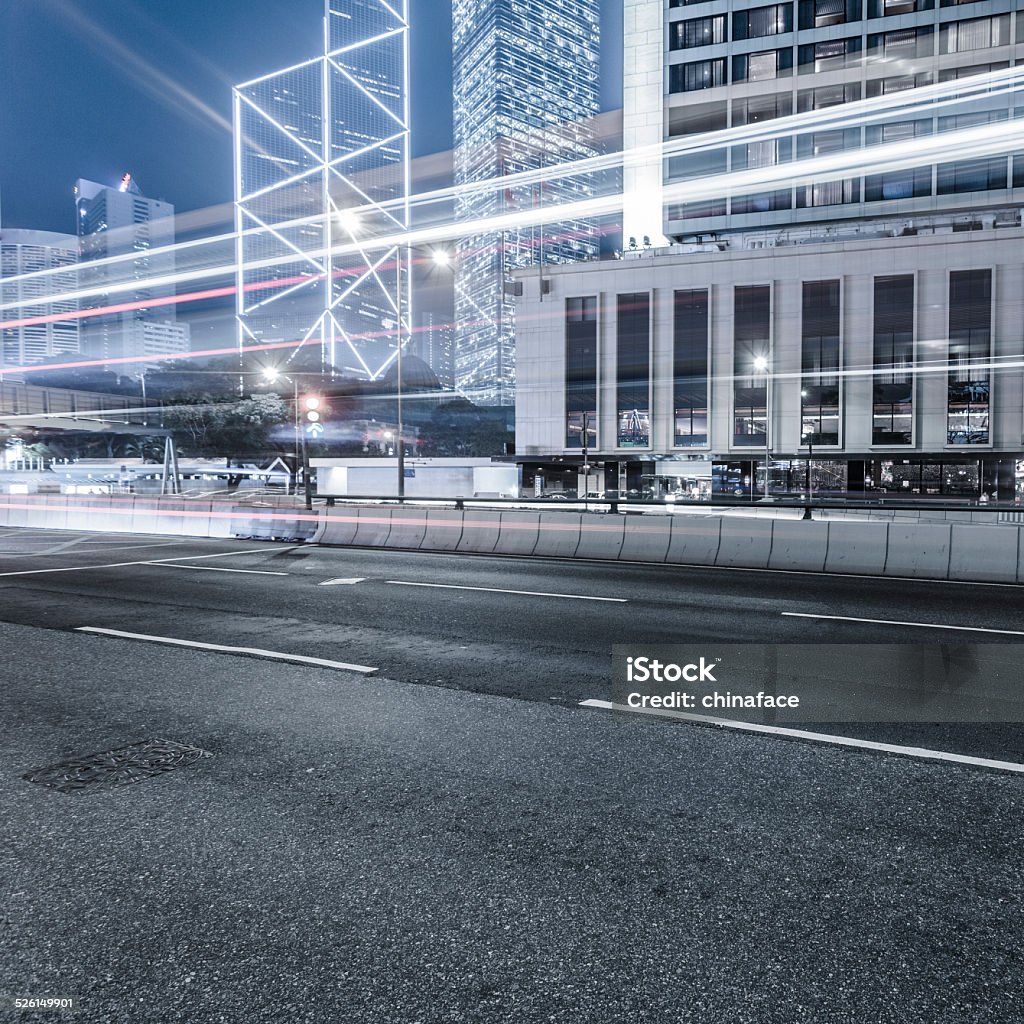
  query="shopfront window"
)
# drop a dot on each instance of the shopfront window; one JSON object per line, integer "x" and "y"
{"x": 581, "y": 372}
{"x": 819, "y": 384}
{"x": 751, "y": 364}
{"x": 690, "y": 379}
{"x": 893, "y": 386}
{"x": 970, "y": 352}
{"x": 633, "y": 370}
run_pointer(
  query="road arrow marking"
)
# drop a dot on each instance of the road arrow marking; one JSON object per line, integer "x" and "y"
{"x": 340, "y": 581}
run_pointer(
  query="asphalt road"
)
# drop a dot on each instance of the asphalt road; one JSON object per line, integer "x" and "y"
{"x": 533, "y": 629}
{"x": 412, "y": 845}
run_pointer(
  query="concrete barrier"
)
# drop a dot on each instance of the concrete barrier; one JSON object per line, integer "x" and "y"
{"x": 979, "y": 552}
{"x": 920, "y": 550}
{"x": 53, "y": 515}
{"x": 646, "y": 539}
{"x": 745, "y": 543}
{"x": 799, "y": 544}
{"x": 444, "y": 530}
{"x": 857, "y": 548}
{"x": 518, "y": 534}
{"x": 373, "y": 527}
{"x": 694, "y": 541}
{"x": 601, "y": 537}
{"x": 408, "y": 525}
{"x": 558, "y": 534}
{"x": 339, "y": 525}
{"x": 480, "y": 529}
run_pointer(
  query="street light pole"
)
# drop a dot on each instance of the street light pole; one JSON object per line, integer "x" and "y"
{"x": 399, "y": 434}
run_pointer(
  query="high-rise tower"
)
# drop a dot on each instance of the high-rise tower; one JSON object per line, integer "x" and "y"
{"x": 321, "y": 193}
{"x": 118, "y": 221}
{"x": 526, "y": 78}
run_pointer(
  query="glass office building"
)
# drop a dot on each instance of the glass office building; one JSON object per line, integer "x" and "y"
{"x": 321, "y": 192}
{"x": 526, "y": 78}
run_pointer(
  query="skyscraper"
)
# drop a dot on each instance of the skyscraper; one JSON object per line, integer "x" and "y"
{"x": 526, "y": 76}
{"x": 322, "y": 176}
{"x": 37, "y": 253}
{"x": 121, "y": 221}
{"x": 693, "y": 68}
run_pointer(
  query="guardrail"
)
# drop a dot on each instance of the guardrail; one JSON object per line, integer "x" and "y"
{"x": 613, "y": 505}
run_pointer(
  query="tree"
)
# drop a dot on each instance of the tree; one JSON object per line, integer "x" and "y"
{"x": 203, "y": 426}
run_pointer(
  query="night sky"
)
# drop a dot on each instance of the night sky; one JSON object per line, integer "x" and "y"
{"x": 92, "y": 88}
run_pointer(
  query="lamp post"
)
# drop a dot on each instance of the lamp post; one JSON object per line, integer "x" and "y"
{"x": 585, "y": 437}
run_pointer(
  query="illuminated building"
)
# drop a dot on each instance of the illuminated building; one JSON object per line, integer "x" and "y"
{"x": 694, "y": 67}
{"x": 120, "y": 221}
{"x": 526, "y": 76}
{"x": 321, "y": 167}
{"x": 37, "y": 253}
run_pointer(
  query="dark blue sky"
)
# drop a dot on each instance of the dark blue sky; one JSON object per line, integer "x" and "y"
{"x": 92, "y": 88}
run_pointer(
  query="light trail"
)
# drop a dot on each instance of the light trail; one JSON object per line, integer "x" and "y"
{"x": 984, "y": 140}
{"x": 919, "y": 101}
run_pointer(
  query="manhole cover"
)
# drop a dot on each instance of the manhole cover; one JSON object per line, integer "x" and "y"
{"x": 133, "y": 763}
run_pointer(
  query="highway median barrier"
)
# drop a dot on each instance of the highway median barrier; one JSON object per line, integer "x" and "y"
{"x": 920, "y": 550}
{"x": 601, "y": 537}
{"x": 480, "y": 530}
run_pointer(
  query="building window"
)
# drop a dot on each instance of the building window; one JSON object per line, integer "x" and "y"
{"x": 701, "y": 74}
{"x": 819, "y": 382}
{"x": 755, "y": 109}
{"x": 752, "y": 319}
{"x": 690, "y": 375}
{"x": 971, "y": 176}
{"x": 762, "y": 21}
{"x": 581, "y": 372}
{"x": 684, "y": 35}
{"x": 903, "y": 184}
{"x": 825, "y": 144}
{"x": 898, "y": 83}
{"x": 821, "y": 13}
{"x": 829, "y": 55}
{"x": 762, "y": 67}
{"x": 970, "y": 352}
{"x": 890, "y": 8}
{"x": 976, "y": 34}
{"x": 903, "y": 44}
{"x": 827, "y": 96}
{"x": 633, "y": 370}
{"x": 893, "y": 360}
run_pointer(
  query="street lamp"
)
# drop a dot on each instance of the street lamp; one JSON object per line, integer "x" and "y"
{"x": 763, "y": 365}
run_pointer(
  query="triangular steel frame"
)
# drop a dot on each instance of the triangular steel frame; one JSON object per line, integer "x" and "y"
{"x": 381, "y": 276}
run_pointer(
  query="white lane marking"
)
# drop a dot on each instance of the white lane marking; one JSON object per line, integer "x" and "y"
{"x": 897, "y": 622}
{"x": 159, "y": 561}
{"x": 814, "y": 737}
{"x": 215, "y": 568}
{"x": 258, "y": 652}
{"x": 342, "y": 581}
{"x": 496, "y": 590}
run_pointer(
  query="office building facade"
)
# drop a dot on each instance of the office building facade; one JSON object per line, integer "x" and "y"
{"x": 35, "y": 266}
{"x": 888, "y": 365}
{"x": 321, "y": 194}
{"x": 525, "y": 84}
{"x": 125, "y": 244}
{"x": 695, "y": 67}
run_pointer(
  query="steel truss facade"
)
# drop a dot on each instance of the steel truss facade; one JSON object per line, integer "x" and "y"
{"x": 321, "y": 170}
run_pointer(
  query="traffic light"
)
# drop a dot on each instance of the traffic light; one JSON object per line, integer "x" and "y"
{"x": 313, "y": 404}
